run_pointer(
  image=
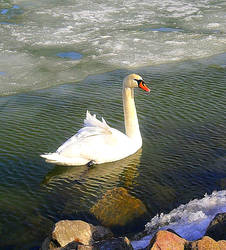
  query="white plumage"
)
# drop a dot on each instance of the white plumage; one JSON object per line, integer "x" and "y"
{"x": 97, "y": 141}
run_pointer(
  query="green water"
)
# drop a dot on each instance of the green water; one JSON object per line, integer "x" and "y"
{"x": 182, "y": 122}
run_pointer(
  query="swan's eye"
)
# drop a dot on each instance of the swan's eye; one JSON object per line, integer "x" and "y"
{"x": 138, "y": 81}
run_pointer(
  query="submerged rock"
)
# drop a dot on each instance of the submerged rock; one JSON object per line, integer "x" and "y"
{"x": 117, "y": 208}
{"x": 217, "y": 227}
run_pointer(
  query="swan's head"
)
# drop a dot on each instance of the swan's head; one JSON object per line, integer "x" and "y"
{"x": 134, "y": 81}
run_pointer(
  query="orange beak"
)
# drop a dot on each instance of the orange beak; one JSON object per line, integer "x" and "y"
{"x": 143, "y": 86}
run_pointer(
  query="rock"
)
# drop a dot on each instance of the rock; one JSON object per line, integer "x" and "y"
{"x": 74, "y": 246}
{"x": 121, "y": 243}
{"x": 67, "y": 231}
{"x": 101, "y": 233}
{"x": 165, "y": 240}
{"x": 48, "y": 244}
{"x": 206, "y": 243}
{"x": 117, "y": 207}
{"x": 217, "y": 227}
{"x": 222, "y": 244}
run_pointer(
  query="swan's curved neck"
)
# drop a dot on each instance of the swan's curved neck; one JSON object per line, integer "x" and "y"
{"x": 130, "y": 115}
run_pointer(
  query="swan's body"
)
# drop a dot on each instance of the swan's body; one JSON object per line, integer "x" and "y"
{"x": 99, "y": 143}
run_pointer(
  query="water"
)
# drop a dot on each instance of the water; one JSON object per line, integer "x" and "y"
{"x": 109, "y": 35}
{"x": 58, "y": 59}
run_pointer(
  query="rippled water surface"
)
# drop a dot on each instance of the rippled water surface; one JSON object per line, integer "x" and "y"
{"x": 60, "y": 58}
{"x": 182, "y": 122}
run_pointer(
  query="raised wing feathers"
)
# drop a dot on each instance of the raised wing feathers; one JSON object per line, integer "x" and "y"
{"x": 92, "y": 127}
{"x": 92, "y": 121}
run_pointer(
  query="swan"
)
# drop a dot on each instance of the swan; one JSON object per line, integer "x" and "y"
{"x": 97, "y": 142}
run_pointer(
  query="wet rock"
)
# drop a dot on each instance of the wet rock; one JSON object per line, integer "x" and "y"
{"x": 165, "y": 240}
{"x": 121, "y": 243}
{"x": 67, "y": 231}
{"x": 217, "y": 227}
{"x": 75, "y": 246}
{"x": 206, "y": 243}
{"x": 222, "y": 244}
{"x": 117, "y": 207}
{"x": 48, "y": 244}
{"x": 100, "y": 233}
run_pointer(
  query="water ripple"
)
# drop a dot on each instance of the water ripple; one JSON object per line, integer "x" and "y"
{"x": 182, "y": 123}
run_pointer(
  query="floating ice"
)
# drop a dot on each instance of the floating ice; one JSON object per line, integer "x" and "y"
{"x": 190, "y": 221}
{"x": 109, "y": 35}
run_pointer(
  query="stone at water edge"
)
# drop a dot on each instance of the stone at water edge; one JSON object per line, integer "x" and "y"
{"x": 206, "y": 243}
{"x": 117, "y": 208}
{"x": 75, "y": 246}
{"x": 217, "y": 227}
{"x": 66, "y": 231}
{"x": 222, "y": 244}
{"x": 121, "y": 243}
{"x": 166, "y": 240}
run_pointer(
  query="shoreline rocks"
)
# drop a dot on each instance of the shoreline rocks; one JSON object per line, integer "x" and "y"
{"x": 83, "y": 233}
{"x": 77, "y": 234}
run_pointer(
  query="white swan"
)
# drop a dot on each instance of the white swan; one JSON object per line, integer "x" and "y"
{"x": 97, "y": 142}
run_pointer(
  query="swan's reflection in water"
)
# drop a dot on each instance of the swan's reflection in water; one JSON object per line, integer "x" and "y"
{"x": 91, "y": 190}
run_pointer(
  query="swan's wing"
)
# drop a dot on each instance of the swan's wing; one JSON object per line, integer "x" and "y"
{"x": 92, "y": 127}
{"x": 92, "y": 121}
{"x": 95, "y": 141}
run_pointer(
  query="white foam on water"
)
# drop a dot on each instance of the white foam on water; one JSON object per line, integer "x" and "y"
{"x": 109, "y": 35}
{"x": 190, "y": 221}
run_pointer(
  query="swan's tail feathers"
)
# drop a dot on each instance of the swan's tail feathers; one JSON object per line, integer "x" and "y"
{"x": 58, "y": 159}
{"x": 92, "y": 121}
{"x": 51, "y": 157}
